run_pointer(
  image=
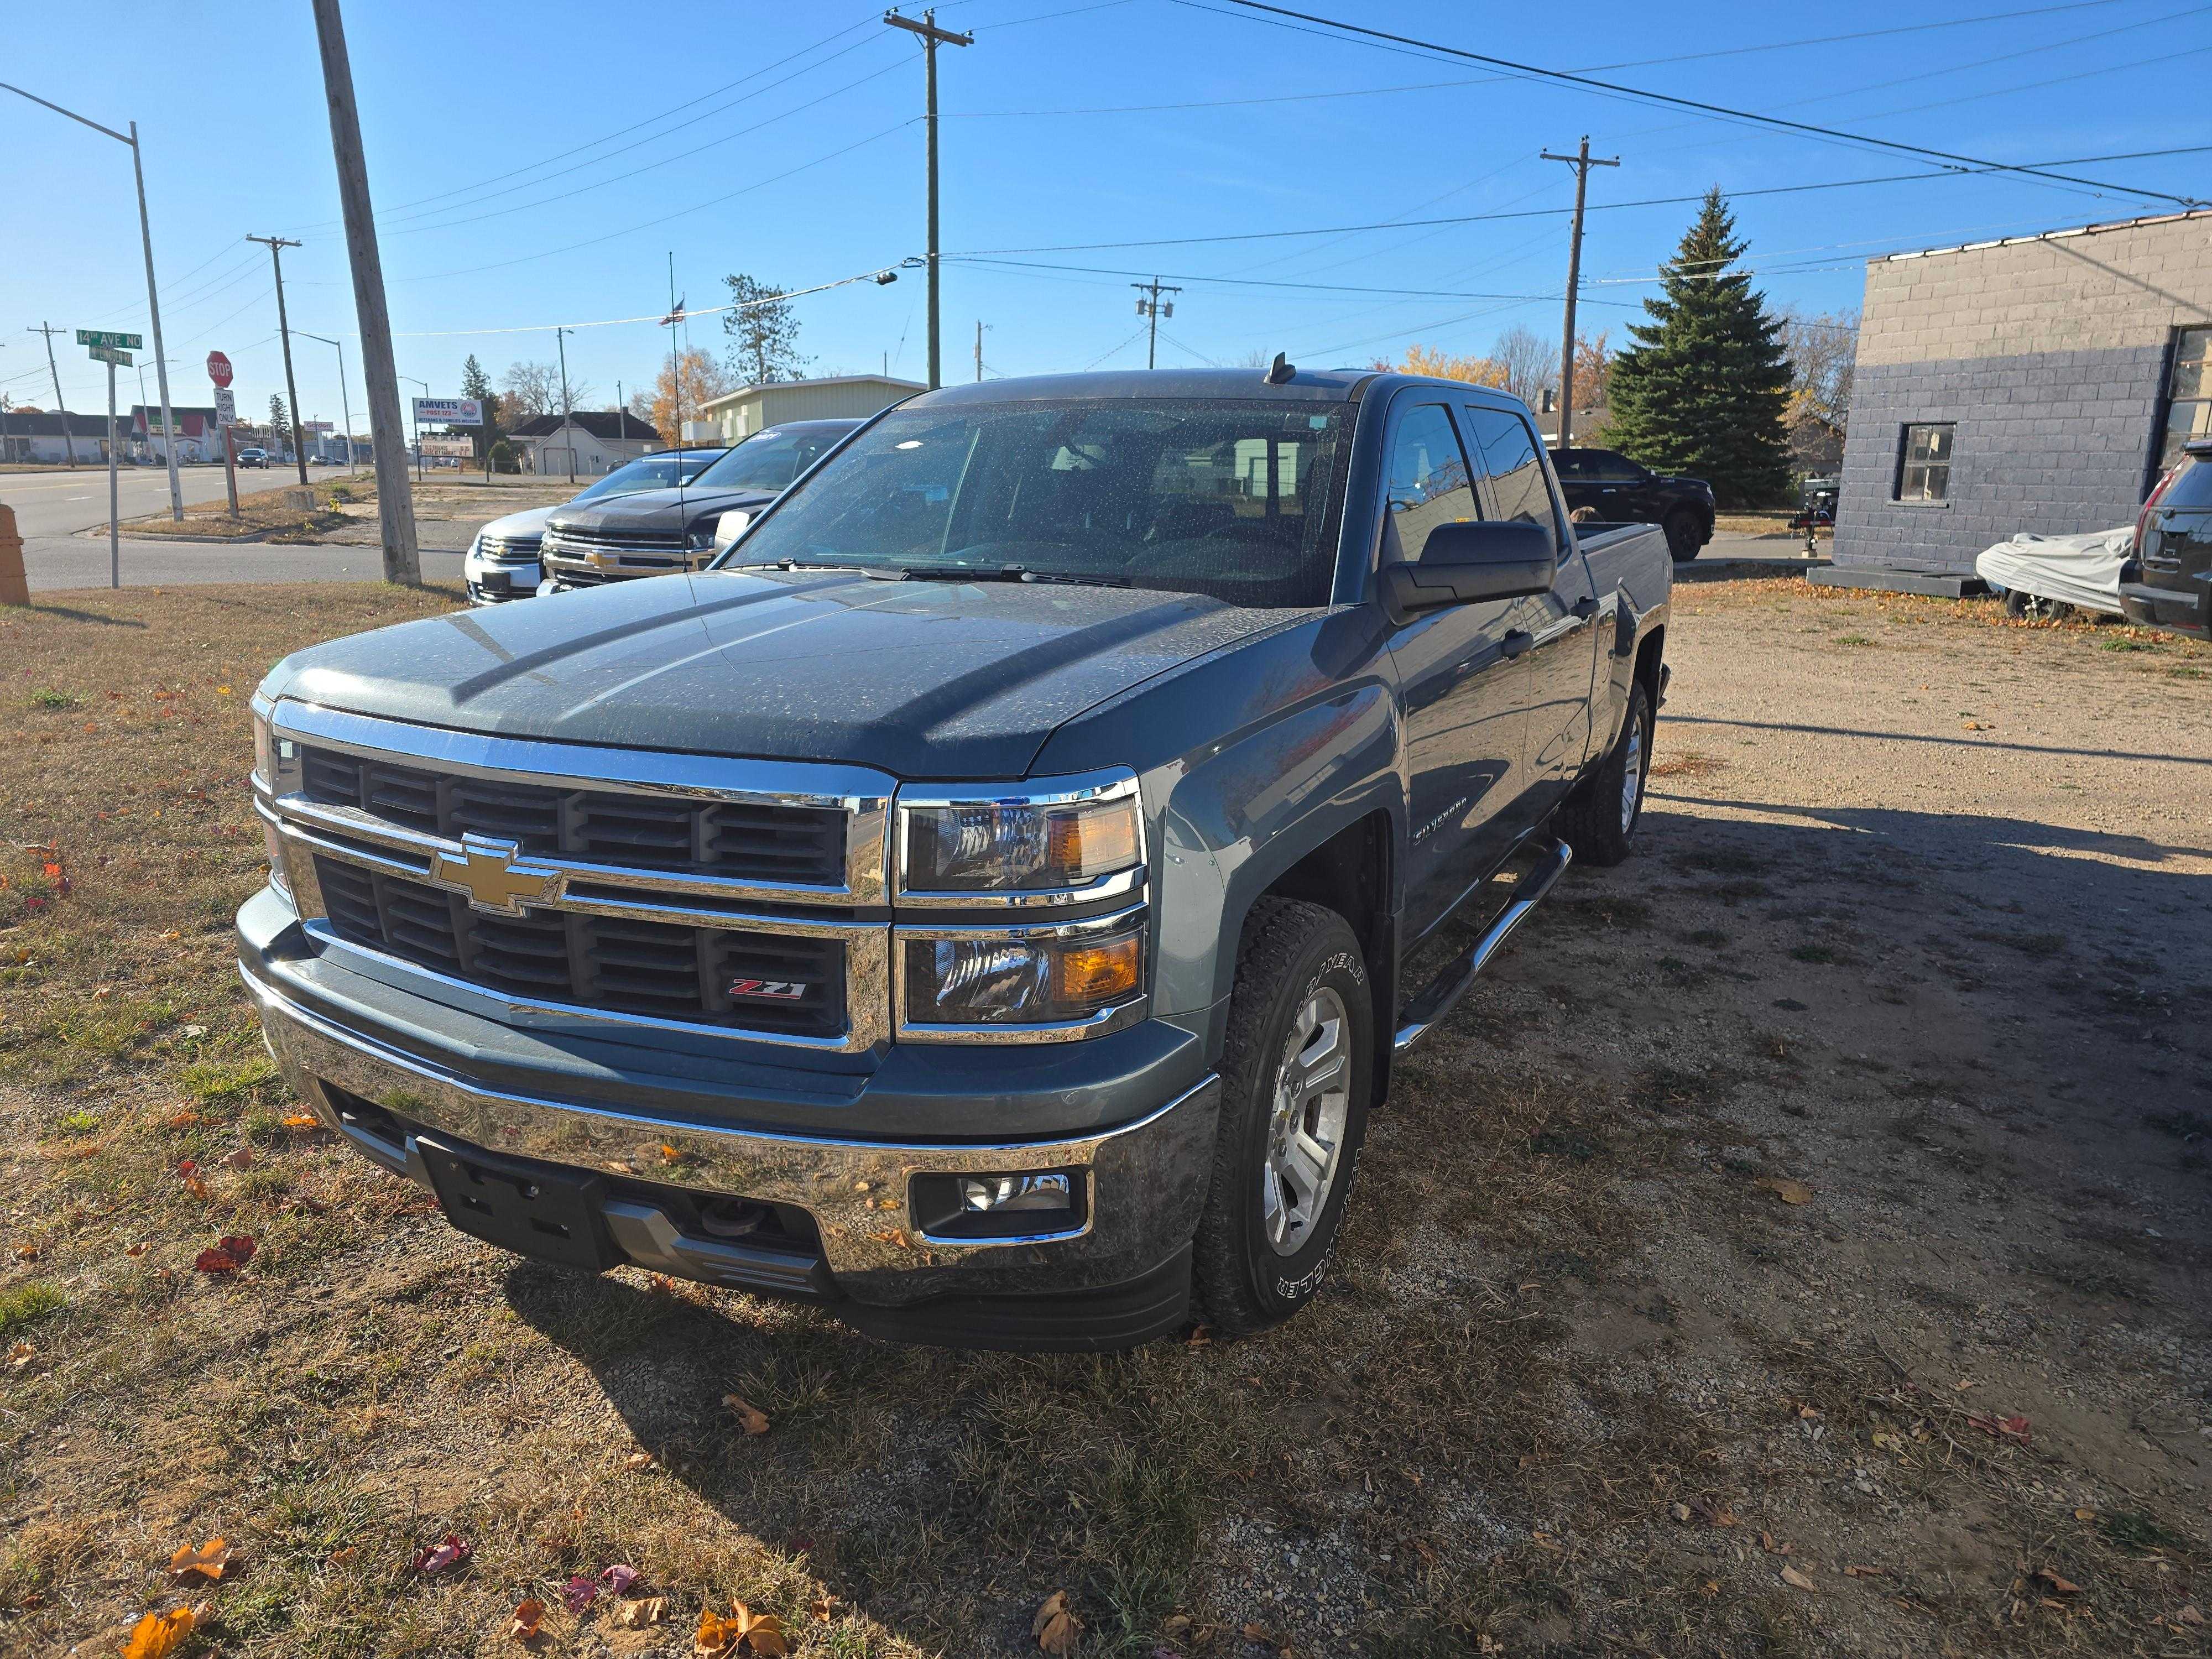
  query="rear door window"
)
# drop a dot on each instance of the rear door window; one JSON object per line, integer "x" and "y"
{"x": 1516, "y": 475}
{"x": 2192, "y": 487}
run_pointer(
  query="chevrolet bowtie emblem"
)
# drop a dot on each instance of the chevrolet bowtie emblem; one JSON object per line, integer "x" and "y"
{"x": 487, "y": 871}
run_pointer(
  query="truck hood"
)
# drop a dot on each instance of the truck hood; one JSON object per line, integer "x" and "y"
{"x": 921, "y": 680}
{"x": 531, "y": 521}
{"x": 667, "y": 511}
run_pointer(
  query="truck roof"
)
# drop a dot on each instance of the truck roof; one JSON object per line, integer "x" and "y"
{"x": 1313, "y": 386}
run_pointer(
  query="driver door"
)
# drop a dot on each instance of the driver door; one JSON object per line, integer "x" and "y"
{"x": 1464, "y": 709}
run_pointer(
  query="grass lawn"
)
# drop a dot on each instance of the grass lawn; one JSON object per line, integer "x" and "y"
{"x": 1699, "y": 1273}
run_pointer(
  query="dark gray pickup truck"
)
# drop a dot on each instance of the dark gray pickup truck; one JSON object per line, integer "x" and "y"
{"x": 988, "y": 900}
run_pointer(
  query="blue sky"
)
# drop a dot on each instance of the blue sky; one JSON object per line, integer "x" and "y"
{"x": 538, "y": 165}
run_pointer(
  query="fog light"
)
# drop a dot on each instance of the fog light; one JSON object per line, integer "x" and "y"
{"x": 996, "y": 1194}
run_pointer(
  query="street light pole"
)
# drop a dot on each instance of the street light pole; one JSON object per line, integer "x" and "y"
{"x": 567, "y": 415}
{"x": 153, "y": 298}
{"x": 415, "y": 420}
{"x": 344, "y": 403}
{"x": 276, "y": 247}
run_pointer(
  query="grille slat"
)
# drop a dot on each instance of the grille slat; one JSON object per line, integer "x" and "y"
{"x": 648, "y": 968}
{"x": 682, "y": 836}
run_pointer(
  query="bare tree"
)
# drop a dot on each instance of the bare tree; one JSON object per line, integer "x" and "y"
{"x": 1823, "y": 350}
{"x": 529, "y": 390}
{"x": 1530, "y": 362}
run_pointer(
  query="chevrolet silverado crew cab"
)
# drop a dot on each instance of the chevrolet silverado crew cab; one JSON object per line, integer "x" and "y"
{"x": 988, "y": 900}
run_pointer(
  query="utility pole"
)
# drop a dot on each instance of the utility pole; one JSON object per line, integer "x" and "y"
{"x": 567, "y": 416}
{"x": 414, "y": 426}
{"x": 395, "y": 499}
{"x": 69, "y": 441}
{"x": 276, "y": 245}
{"x": 1153, "y": 308}
{"x": 932, "y": 38}
{"x": 1582, "y": 162}
{"x": 979, "y": 348}
{"x": 344, "y": 403}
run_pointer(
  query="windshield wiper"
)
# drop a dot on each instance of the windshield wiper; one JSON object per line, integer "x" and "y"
{"x": 1004, "y": 573}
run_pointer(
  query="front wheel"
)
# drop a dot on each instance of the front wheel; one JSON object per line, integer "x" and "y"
{"x": 1598, "y": 819}
{"x": 1297, "y": 1070}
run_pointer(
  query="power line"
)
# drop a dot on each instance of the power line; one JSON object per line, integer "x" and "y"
{"x": 880, "y": 275}
{"x": 1719, "y": 110}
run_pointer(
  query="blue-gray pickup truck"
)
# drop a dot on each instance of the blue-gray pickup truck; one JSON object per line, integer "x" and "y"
{"x": 987, "y": 900}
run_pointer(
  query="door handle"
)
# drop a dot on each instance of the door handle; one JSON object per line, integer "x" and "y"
{"x": 1585, "y": 607}
{"x": 1516, "y": 642}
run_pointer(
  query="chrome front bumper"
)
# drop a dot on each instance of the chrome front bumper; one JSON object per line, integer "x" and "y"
{"x": 1144, "y": 1181}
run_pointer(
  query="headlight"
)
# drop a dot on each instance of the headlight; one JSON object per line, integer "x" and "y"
{"x": 475, "y": 546}
{"x": 700, "y": 538}
{"x": 1064, "y": 975}
{"x": 264, "y": 751}
{"x": 1043, "y": 840}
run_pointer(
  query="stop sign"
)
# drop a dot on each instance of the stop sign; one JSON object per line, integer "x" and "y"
{"x": 218, "y": 369}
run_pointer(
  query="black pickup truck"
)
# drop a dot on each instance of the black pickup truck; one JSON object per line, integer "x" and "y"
{"x": 1618, "y": 490}
{"x": 988, "y": 900}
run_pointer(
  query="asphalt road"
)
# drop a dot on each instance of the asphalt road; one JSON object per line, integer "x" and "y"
{"x": 62, "y": 502}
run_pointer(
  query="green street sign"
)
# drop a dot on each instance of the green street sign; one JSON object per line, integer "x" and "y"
{"x": 95, "y": 336}
{"x": 111, "y": 355}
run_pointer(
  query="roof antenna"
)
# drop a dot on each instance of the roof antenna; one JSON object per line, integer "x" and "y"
{"x": 1280, "y": 371}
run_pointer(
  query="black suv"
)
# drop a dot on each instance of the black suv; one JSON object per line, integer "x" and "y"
{"x": 2169, "y": 582}
{"x": 1621, "y": 492}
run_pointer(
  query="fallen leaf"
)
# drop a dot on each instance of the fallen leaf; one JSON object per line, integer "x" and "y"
{"x": 824, "y": 1604}
{"x": 637, "y": 1615}
{"x": 522, "y": 1624}
{"x": 1056, "y": 1627}
{"x": 19, "y": 1355}
{"x": 1199, "y": 1337}
{"x": 188, "y": 1173}
{"x": 750, "y": 1418}
{"x": 27, "y": 1253}
{"x": 302, "y": 1123}
{"x": 638, "y": 1461}
{"x": 618, "y": 1578}
{"x": 139, "y": 1249}
{"x": 159, "y": 1634}
{"x": 761, "y": 1633}
{"x": 1999, "y": 1428}
{"x": 447, "y": 1553}
{"x": 209, "y": 1560}
{"x": 2064, "y": 1586}
{"x": 228, "y": 1255}
{"x": 1865, "y": 1573}
{"x": 578, "y": 1593}
{"x": 1788, "y": 1191}
{"x": 239, "y": 1158}
{"x": 184, "y": 1118}
{"x": 173, "y": 934}
{"x": 2189, "y": 1615}
{"x": 2085, "y": 1514}
{"x": 343, "y": 1557}
{"x": 1790, "y": 1576}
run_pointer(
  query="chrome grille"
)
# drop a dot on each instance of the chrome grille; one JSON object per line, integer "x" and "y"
{"x": 618, "y": 553}
{"x": 509, "y": 549}
{"x": 737, "y": 840}
{"x": 617, "y": 963}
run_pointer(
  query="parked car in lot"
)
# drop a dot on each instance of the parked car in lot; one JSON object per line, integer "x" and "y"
{"x": 502, "y": 557}
{"x": 2169, "y": 582}
{"x": 253, "y": 457}
{"x": 988, "y": 901}
{"x": 2049, "y": 577}
{"x": 1620, "y": 491}
{"x": 652, "y": 534}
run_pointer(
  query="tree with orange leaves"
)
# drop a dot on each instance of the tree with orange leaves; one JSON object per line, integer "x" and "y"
{"x": 682, "y": 390}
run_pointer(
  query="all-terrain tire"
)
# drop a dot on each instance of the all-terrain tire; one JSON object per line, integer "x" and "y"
{"x": 1598, "y": 819}
{"x": 1294, "y": 956}
{"x": 1684, "y": 535}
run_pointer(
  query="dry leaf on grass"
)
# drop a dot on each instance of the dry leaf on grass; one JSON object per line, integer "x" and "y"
{"x": 750, "y": 1418}
{"x": 742, "y": 1631}
{"x": 2063, "y": 1586}
{"x": 640, "y": 1614}
{"x": 1766, "y": 1542}
{"x": 19, "y": 1355}
{"x": 1865, "y": 1573}
{"x": 1790, "y": 1576}
{"x": 228, "y": 1255}
{"x": 2014, "y": 1428}
{"x": 1788, "y": 1191}
{"x": 522, "y": 1624}
{"x": 618, "y": 1578}
{"x": 301, "y": 1123}
{"x": 188, "y": 1173}
{"x": 579, "y": 1593}
{"x": 640, "y": 1461}
{"x": 822, "y": 1607}
{"x": 1056, "y": 1627}
{"x": 208, "y": 1561}
{"x": 158, "y": 1635}
{"x": 240, "y": 1158}
{"x": 447, "y": 1553}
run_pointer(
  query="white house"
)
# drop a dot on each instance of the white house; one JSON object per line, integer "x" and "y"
{"x": 755, "y": 408}
{"x": 589, "y": 442}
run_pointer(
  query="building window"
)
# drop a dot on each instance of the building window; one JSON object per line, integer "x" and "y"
{"x": 2188, "y": 394}
{"x": 1923, "y": 472}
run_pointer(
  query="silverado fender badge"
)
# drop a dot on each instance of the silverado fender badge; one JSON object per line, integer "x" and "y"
{"x": 768, "y": 990}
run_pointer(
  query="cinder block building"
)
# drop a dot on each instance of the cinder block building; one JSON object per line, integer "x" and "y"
{"x": 2038, "y": 383}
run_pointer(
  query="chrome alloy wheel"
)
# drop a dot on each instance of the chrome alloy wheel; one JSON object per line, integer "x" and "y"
{"x": 1305, "y": 1131}
{"x": 1631, "y": 776}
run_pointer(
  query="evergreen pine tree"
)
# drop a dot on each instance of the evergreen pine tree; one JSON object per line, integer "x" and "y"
{"x": 475, "y": 383}
{"x": 1704, "y": 389}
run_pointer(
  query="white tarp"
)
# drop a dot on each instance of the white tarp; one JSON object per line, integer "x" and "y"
{"x": 2083, "y": 570}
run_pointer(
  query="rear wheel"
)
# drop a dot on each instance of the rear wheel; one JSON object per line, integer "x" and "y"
{"x": 1598, "y": 819}
{"x": 1297, "y": 1069}
{"x": 1684, "y": 535}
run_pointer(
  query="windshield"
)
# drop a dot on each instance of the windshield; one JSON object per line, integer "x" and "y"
{"x": 648, "y": 472}
{"x": 769, "y": 460}
{"x": 1224, "y": 497}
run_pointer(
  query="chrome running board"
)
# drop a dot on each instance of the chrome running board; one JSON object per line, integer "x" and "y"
{"x": 1425, "y": 1012}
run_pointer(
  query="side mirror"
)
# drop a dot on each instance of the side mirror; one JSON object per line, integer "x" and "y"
{"x": 731, "y": 526}
{"x": 1462, "y": 563}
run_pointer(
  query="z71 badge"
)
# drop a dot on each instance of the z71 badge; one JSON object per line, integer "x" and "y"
{"x": 768, "y": 990}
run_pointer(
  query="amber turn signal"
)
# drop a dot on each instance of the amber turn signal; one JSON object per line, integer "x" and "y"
{"x": 1093, "y": 974}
